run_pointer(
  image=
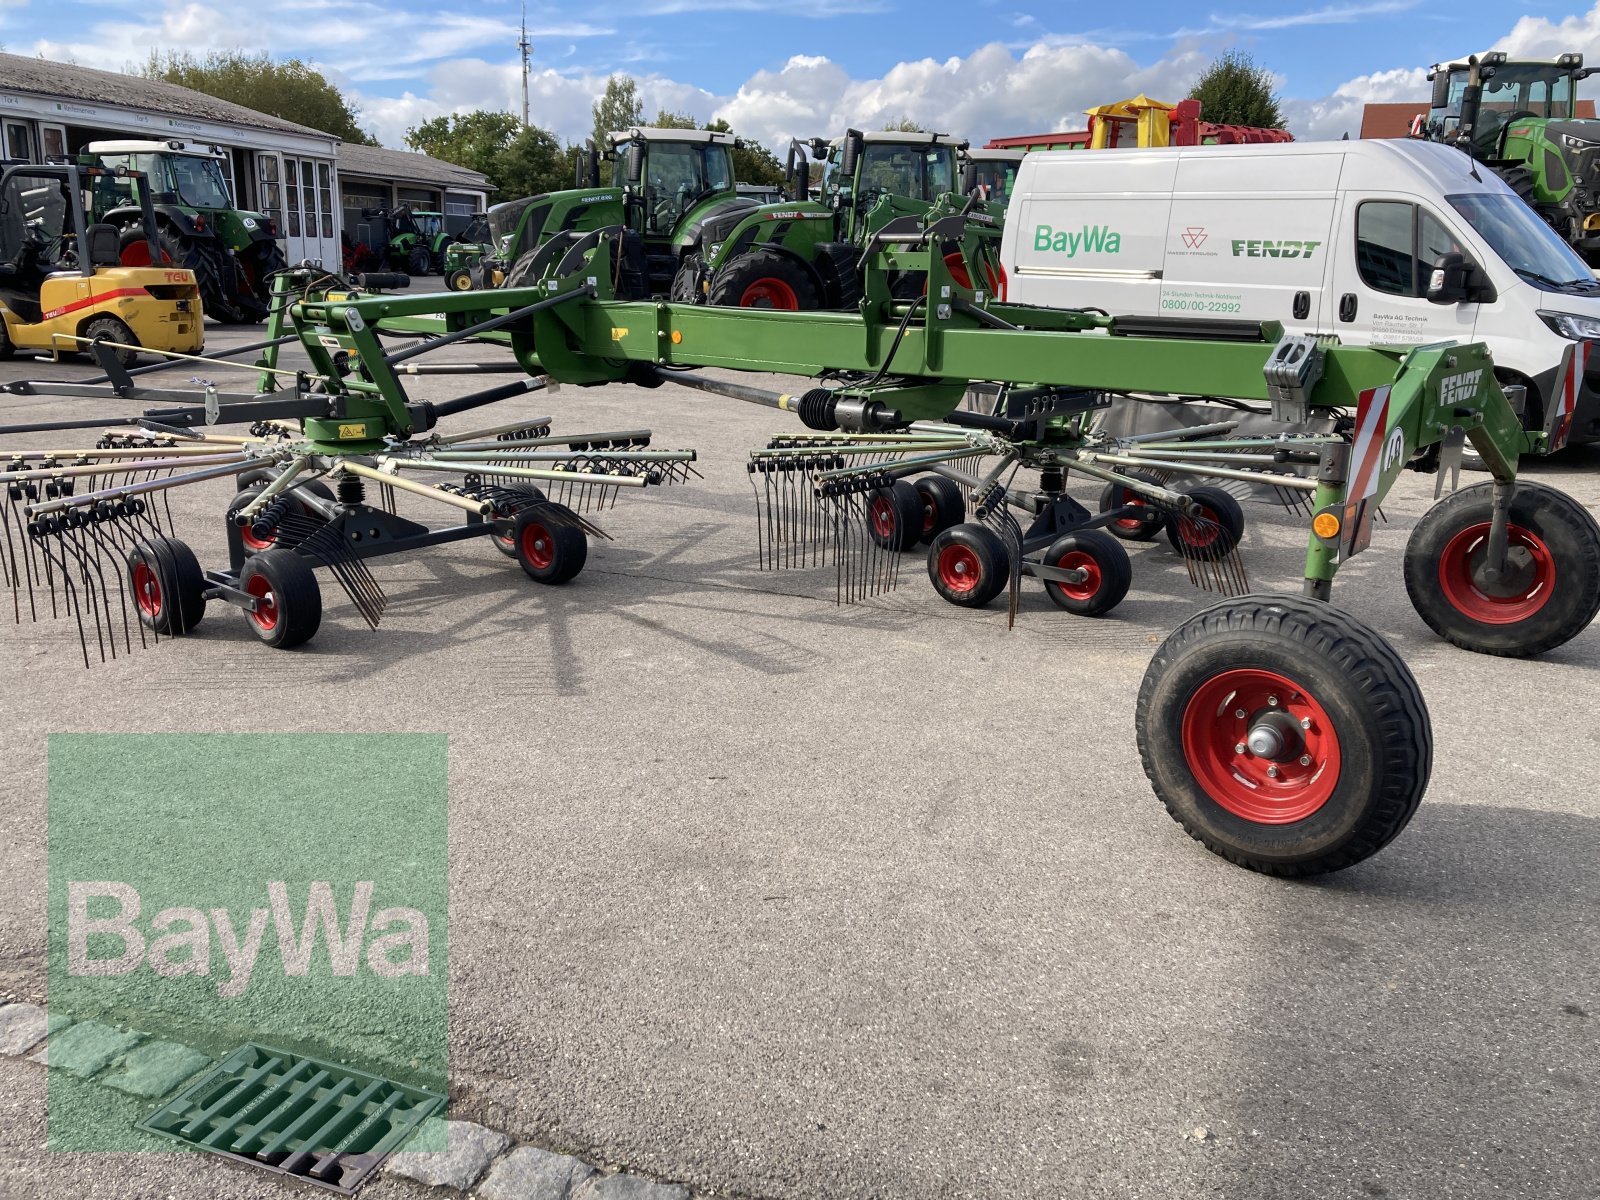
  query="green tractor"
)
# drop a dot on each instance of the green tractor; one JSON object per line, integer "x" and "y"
{"x": 232, "y": 252}
{"x": 409, "y": 239}
{"x": 1520, "y": 119}
{"x": 464, "y": 259}
{"x": 991, "y": 175}
{"x": 691, "y": 236}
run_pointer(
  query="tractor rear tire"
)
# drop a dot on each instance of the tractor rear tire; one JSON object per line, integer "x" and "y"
{"x": 418, "y": 261}
{"x": 289, "y": 602}
{"x": 968, "y": 565}
{"x": 113, "y": 329}
{"x": 764, "y": 279}
{"x": 549, "y": 548}
{"x": 1108, "y": 573}
{"x": 200, "y": 255}
{"x": 1554, "y": 591}
{"x": 1212, "y": 541}
{"x": 894, "y": 516}
{"x": 257, "y": 264}
{"x": 1520, "y": 180}
{"x": 168, "y": 585}
{"x": 1284, "y": 735}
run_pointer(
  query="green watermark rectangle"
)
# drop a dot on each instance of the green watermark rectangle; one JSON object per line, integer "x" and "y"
{"x": 214, "y": 889}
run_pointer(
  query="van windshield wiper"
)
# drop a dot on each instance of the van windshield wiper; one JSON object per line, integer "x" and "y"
{"x": 1535, "y": 277}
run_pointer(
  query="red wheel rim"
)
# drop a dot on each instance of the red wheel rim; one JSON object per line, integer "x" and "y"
{"x": 1197, "y": 534}
{"x": 146, "y": 590}
{"x": 770, "y": 293}
{"x": 959, "y": 568}
{"x": 1529, "y": 591}
{"x": 247, "y": 535}
{"x": 136, "y": 254}
{"x": 1129, "y": 499}
{"x": 266, "y": 613}
{"x": 538, "y": 547}
{"x": 930, "y": 516}
{"x": 957, "y": 268}
{"x": 1079, "y": 560}
{"x": 1221, "y": 717}
{"x": 882, "y": 517}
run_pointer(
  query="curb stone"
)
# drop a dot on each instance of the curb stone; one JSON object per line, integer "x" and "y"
{"x": 469, "y": 1149}
{"x": 86, "y": 1048}
{"x": 528, "y": 1173}
{"x": 22, "y": 1027}
{"x": 156, "y": 1068}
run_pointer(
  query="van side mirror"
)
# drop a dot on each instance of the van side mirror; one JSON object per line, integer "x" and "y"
{"x": 1450, "y": 281}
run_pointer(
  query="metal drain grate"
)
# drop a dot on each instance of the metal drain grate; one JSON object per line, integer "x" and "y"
{"x": 325, "y": 1124}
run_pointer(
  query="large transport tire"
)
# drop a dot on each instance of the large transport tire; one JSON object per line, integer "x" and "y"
{"x": 168, "y": 585}
{"x": 764, "y": 279}
{"x": 289, "y": 602}
{"x": 1520, "y": 180}
{"x": 1336, "y": 742}
{"x": 894, "y": 515}
{"x": 418, "y": 261}
{"x": 1141, "y": 527}
{"x": 1224, "y": 526}
{"x": 257, "y": 263}
{"x": 968, "y": 565}
{"x": 1553, "y": 591}
{"x": 203, "y": 256}
{"x": 1107, "y": 572}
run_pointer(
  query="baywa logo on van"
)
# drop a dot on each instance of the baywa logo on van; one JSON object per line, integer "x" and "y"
{"x": 1090, "y": 239}
{"x": 1261, "y": 248}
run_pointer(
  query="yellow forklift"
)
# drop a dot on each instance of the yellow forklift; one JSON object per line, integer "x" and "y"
{"x": 66, "y": 283}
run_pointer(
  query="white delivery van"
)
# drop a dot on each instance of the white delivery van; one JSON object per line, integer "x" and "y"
{"x": 1323, "y": 237}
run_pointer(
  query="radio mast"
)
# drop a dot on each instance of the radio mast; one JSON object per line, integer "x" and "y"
{"x": 525, "y": 47}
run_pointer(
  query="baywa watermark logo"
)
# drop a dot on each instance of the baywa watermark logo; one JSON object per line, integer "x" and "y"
{"x": 1088, "y": 239}
{"x": 1267, "y": 248}
{"x": 212, "y": 890}
{"x": 180, "y": 939}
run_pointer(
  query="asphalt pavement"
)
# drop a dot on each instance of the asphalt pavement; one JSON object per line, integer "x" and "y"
{"x": 781, "y": 898}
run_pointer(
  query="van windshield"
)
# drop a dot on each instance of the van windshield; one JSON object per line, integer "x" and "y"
{"x": 1525, "y": 243}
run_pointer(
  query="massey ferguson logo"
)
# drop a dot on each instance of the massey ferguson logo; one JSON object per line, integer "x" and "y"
{"x": 1459, "y": 389}
{"x": 1194, "y": 237}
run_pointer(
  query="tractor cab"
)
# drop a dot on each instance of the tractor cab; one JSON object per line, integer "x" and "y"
{"x": 870, "y": 178}
{"x": 1477, "y": 101}
{"x": 668, "y": 173}
{"x": 65, "y": 277}
{"x": 991, "y": 175}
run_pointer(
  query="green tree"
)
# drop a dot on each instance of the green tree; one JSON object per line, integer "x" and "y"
{"x": 290, "y": 89}
{"x": 474, "y": 140}
{"x": 904, "y": 125}
{"x": 617, "y": 108}
{"x": 676, "y": 120}
{"x": 1234, "y": 91}
{"x": 752, "y": 162}
{"x": 534, "y": 162}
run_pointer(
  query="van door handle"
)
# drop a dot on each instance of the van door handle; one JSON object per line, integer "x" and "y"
{"x": 1302, "y": 305}
{"x": 1347, "y": 307}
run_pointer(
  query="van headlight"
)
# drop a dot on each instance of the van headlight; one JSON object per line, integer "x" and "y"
{"x": 1571, "y": 325}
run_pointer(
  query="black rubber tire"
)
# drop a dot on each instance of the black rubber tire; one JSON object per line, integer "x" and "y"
{"x": 256, "y": 480}
{"x": 741, "y": 282}
{"x": 418, "y": 261}
{"x": 686, "y": 285}
{"x": 943, "y": 505}
{"x": 234, "y": 505}
{"x": 1384, "y": 738}
{"x": 7, "y": 349}
{"x": 980, "y": 550}
{"x": 291, "y": 585}
{"x": 508, "y": 546}
{"x": 1571, "y": 541}
{"x": 1108, "y": 560}
{"x": 894, "y": 516}
{"x": 1221, "y": 508}
{"x": 1115, "y": 495}
{"x": 115, "y": 330}
{"x": 1520, "y": 180}
{"x": 169, "y": 590}
{"x": 565, "y": 547}
{"x": 255, "y": 265}
{"x": 459, "y": 280}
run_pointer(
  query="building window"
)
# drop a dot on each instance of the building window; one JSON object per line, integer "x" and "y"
{"x": 456, "y": 208}
{"x": 271, "y": 191}
{"x": 18, "y": 144}
{"x": 291, "y": 193}
{"x": 308, "y": 190}
{"x": 325, "y": 186}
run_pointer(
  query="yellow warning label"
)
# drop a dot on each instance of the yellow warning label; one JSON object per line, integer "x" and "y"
{"x": 352, "y": 431}
{"x": 618, "y": 334}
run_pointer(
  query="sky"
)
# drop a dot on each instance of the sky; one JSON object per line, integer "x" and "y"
{"x": 974, "y": 68}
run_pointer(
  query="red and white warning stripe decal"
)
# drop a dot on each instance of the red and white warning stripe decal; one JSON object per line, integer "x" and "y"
{"x": 1366, "y": 468}
{"x": 1569, "y": 382}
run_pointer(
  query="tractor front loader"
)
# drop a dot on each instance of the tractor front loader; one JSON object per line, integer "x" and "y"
{"x": 1280, "y": 731}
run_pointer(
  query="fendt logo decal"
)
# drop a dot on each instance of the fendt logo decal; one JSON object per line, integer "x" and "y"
{"x": 1090, "y": 239}
{"x": 1257, "y": 248}
{"x": 1459, "y": 389}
